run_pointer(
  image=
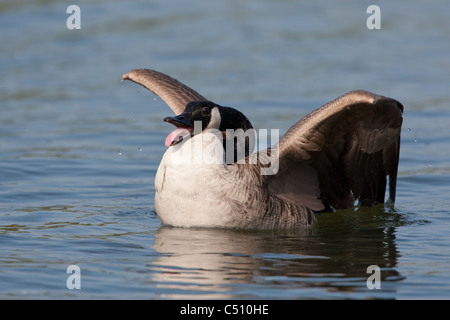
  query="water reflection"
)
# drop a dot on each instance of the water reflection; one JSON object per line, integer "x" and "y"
{"x": 210, "y": 263}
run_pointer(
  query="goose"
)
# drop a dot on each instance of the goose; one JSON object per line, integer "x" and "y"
{"x": 336, "y": 157}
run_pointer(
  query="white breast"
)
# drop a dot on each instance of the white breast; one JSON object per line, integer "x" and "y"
{"x": 190, "y": 184}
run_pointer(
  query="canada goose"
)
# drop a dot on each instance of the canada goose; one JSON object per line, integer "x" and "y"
{"x": 339, "y": 154}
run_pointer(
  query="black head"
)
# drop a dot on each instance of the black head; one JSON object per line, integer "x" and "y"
{"x": 196, "y": 111}
{"x": 212, "y": 116}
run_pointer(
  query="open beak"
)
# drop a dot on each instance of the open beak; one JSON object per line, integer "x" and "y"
{"x": 179, "y": 120}
{"x": 183, "y": 131}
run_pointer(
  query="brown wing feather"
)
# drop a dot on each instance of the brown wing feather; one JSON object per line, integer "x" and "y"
{"x": 352, "y": 143}
{"x": 174, "y": 93}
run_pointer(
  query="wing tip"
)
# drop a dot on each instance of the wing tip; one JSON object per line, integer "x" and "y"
{"x": 126, "y": 76}
{"x": 133, "y": 74}
{"x": 173, "y": 92}
{"x": 368, "y": 97}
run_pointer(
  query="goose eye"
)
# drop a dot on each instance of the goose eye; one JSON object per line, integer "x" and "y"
{"x": 205, "y": 111}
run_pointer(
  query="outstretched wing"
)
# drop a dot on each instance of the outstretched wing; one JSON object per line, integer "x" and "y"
{"x": 174, "y": 93}
{"x": 340, "y": 153}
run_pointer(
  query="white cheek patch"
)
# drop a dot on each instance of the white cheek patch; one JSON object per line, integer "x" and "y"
{"x": 216, "y": 119}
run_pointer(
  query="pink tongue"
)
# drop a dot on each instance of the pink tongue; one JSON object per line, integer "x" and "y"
{"x": 176, "y": 136}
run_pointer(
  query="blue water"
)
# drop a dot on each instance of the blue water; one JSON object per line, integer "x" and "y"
{"x": 79, "y": 149}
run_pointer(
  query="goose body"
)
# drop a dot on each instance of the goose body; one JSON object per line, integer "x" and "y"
{"x": 185, "y": 195}
{"x": 339, "y": 154}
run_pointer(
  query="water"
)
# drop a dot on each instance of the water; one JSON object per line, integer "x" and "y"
{"x": 79, "y": 149}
